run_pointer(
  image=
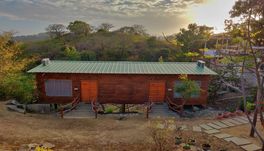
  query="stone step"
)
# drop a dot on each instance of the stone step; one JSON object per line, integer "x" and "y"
{"x": 206, "y": 127}
{"x": 213, "y": 126}
{"x": 197, "y": 128}
{"x": 212, "y": 131}
{"x": 222, "y": 125}
{"x": 251, "y": 147}
{"x": 228, "y": 123}
{"x": 238, "y": 141}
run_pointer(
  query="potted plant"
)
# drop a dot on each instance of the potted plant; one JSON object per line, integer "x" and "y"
{"x": 186, "y": 147}
{"x": 178, "y": 140}
{"x": 191, "y": 141}
{"x": 206, "y": 147}
{"x": 226, "y": 114}
{"x": 220, "y": 116}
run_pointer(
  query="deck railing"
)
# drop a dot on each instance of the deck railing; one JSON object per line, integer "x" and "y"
{"x": 94, "y": 106}
{"x": 74, "y": 104}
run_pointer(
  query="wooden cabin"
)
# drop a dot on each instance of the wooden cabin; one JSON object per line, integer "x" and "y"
{"x": 119, "y": 82}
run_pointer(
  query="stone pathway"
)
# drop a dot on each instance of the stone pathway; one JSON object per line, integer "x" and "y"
{"x": 214, "y": 128}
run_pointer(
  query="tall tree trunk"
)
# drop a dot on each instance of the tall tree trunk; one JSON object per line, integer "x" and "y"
{"x": 255, "y": 116}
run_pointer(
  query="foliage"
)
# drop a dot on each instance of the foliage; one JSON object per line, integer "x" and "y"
{"x": 19, "y": 87}
{"x": 10, "y": 56}
{"x": 193, "y": 38}
{"x": 105, "y": 27}
{"x": 187, "y": 88}
{"x": 88, "y": 55}
{"x": 186, "y": 146}
{"x": 13, "y": 84}
{"x": 56, "y": 30}
{"x": 161, "y": 59}
{"x": 109, "y": 110}
{"x": 250, "y": 106}
{"x": 79, "y": 28}
{"x": 71, "y": 53}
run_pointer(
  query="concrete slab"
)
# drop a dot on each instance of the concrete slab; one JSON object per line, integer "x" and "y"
{"x": 222, "y": 125}
{"x": 213, "y": 131}
{"x": 227, "y": 123}
{"x": 222, "y": 135}
{"x": 251, "y": 147}
{"x": 206, "y": 127}
{"x": 234, "y": 122}
{"x": 240, "y": 120}
{"x": 183, "y": 127}
{"x": 238, "y": 141}
{"x": 213, "y": 126}
{"x": 197, "y": 128}
{"x": 160, "y": 126}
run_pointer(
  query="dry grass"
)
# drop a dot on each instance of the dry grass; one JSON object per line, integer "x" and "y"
{"x": 89, "y": 134}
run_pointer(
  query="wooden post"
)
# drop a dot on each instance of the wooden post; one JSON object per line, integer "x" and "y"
{"x": 61, "y": 112}
{"x": 95, "y": 114}
{"x": 147, "y": 112}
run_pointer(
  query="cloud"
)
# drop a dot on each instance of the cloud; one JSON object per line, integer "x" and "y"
{"x": 10, "y": 16}
{"x": 153, "y": 13}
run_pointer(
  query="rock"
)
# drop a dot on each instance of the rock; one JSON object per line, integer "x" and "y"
{"x": 13, "y": 102}
{"x": 48, "y": 145}
{"x": 15, "y": 108}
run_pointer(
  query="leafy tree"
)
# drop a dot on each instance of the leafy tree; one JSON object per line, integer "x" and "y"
{"x": 14, "y": 84}
{"x": 194, "y": 37}
{"x": 135, "y": 29}
{"x": 71, "y": 53}
{"x": 18, "y": 86}
{"x": 11, "y": 59}
{"x": 250, "y": 29}
{"x": 88, "y": 55}
{"x": 79, "y": 28}
{"x": 105, "y": 27}
{"x": 56, "y": 30}
{"x": 187, "y": 88}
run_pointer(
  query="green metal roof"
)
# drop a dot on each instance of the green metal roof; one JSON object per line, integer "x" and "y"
{"x": 122, "y": 67}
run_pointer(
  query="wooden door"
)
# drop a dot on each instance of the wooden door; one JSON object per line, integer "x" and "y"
{"x": 157, "y": 91}
{"x": 89, "y": 90}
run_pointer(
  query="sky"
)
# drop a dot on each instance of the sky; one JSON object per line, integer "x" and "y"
{"x": 158, "y": 16}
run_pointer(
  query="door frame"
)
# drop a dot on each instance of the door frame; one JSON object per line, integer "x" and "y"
{"x": 158, "y": 81}
{"x": 81, "y": 91}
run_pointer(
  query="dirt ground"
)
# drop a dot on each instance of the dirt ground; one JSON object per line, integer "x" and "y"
{"x": 108, "y": 133}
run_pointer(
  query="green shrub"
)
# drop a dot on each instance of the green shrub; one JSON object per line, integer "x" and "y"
{"x": 250, "y": 106}
{"x": 109, "y": 110}
{"x": 19, "y": 87}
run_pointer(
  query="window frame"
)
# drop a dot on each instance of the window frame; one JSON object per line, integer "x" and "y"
{"x": 61, "y": 92}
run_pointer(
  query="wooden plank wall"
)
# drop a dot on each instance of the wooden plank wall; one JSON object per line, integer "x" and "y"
{"x": 129, "y": 89}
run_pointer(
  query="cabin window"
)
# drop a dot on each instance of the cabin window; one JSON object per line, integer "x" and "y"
{"x": 194, "y": 95}
{"x": 58, "y": 88}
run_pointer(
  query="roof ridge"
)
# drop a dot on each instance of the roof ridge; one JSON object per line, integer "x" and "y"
{"x": 118, "y": 61}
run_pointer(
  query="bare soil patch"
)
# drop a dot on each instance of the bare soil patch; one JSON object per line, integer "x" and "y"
{"x": 108, "y": 133}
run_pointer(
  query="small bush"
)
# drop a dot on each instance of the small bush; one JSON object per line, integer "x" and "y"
{"x": 109, "y": 110}
{"x": 19, "y": 87}
{"x": 250, "y": 105}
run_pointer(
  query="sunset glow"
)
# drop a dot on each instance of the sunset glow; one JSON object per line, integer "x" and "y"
{"x": 168, "y": 16}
